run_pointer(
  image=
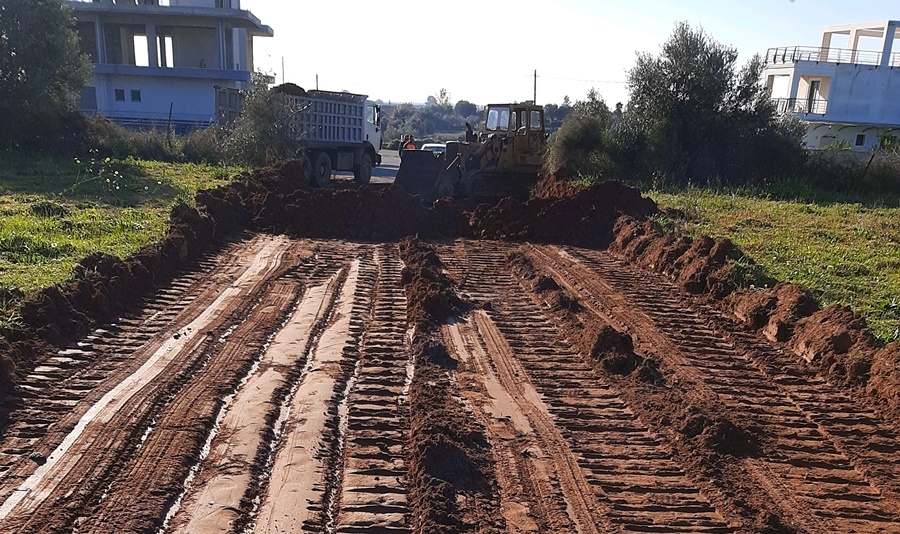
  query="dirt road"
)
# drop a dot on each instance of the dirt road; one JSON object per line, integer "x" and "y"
{"x": 268, "y": 390}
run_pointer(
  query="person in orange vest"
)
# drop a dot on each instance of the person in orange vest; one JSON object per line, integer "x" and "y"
{"x": 410, "y": 143}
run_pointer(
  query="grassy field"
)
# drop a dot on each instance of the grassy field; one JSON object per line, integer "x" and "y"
{"x": 844, "y": 251}
{"x": 53, "y": 212}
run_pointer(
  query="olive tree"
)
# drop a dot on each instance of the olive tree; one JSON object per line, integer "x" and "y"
{"x": 700, "y": 116}
{"x": 579, "y": 148}
{"x": 42, "y": 70}
{"x": 262, "y": 134}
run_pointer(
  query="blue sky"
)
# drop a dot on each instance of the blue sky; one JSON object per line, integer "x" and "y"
{"x": 487, "y": 51}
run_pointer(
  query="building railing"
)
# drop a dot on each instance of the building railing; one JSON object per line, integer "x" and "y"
{"x": 801, "y": 105}
{"x": 184, "y": 123}
{"x": 220, "y": 4}
{"x": 793, "y": 54}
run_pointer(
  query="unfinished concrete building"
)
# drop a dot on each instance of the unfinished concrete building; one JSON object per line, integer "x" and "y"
{"x": 849, "y": 95}
{"x": 164, "y": 62}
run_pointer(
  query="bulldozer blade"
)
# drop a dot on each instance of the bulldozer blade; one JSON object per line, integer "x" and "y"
{"x": 418, "y": 173}
{"x": 489, "y": 187}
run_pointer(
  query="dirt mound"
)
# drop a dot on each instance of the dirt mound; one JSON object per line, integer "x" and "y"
{"x": 720, "y": 434}
{"x": 699, "y": 265}
{"x": 884, "y": 381}
{"x": 838, "y": 342}
{"x": 552, "y": 186}
{"x": 613, "y": 350}
{"x": 775, "y": 309}
{"x": 431, "y": 294}
{"x": 584, "y": 218}
{"x": 453, "y": 487}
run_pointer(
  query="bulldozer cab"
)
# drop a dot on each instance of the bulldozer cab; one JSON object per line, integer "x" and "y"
{"x": 522, "y": 128}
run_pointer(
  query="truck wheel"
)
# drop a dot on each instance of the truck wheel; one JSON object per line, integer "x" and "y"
{"x": 363, "y": 172}
{"x": 321, "y": 172}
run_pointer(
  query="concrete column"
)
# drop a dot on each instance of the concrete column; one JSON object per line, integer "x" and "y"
{"x": 854, "y": 43}
{"x": 152, "y": 56}
{"x": 887, "y": 47}
{"x": 101, "y": 41}
{"x": 795, "y": 85}
{"x": 826, "y": 44}
{"x": 220, "y": 36}
{"x": 163, "y": 53}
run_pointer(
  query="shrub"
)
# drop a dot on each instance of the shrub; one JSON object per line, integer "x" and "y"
{"x": 205, "y": 146}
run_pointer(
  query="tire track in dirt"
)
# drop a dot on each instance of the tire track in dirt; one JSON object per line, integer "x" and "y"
{"x": 217, "y": 498}
{"x": 373, "y": 491}
{"x": 170, "y": 448}
{"x": 293, "y": 494}
{"x": 810, "y": 472}
{"x": 63, "y": 386}
{"x": 85, "y": 464}
{"x": 633, "y": 482}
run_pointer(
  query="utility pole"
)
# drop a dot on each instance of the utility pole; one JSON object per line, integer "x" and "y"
{"x": 317, "y": 82}
{"x": 535, "y": 86}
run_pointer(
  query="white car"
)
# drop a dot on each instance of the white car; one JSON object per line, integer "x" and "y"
{"x": 437, "y": 148}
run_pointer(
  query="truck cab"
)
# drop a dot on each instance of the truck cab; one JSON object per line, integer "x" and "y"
{"x": 372, "y": 128}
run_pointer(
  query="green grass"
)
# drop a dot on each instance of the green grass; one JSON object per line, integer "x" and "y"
{"x": 54, "y": 212}
{"x": 844, "y": 252}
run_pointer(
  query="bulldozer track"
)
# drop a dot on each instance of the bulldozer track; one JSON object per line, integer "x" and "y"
{"x": 372, "y": 471}
{"x": 835, "y": 468}
{"x": 265, "y": 390}
{"x": 615, "y": 473}
{"x": 60, "y": 388}
{"x": 82, "y": 468}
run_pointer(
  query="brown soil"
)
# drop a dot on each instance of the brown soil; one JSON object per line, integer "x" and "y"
{"x": 289, "y": 359}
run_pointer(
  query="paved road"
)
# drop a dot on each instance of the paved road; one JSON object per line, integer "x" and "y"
{"x": 382, "y": 174}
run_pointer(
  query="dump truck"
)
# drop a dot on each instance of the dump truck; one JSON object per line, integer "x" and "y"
{"x": 503, "y": 160}
{"x": 339, "y": 131}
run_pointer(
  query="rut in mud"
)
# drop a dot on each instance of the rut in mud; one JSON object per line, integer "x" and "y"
{"x": 297, "y": 380}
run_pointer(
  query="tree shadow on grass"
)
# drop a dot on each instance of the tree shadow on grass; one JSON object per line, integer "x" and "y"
{"x": 94, "y": 180}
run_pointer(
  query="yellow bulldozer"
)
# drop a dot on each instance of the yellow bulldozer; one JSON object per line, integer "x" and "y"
{"x": 503, "y": 160}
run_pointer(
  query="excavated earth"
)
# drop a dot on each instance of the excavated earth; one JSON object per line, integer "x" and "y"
{"x": 350, "y": 360}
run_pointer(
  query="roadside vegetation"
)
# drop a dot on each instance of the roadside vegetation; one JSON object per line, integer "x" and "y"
{"x": 55, "y": 211}
{"x": 844, "y": 251}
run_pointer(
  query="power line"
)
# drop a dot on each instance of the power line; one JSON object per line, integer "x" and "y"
{"x": 577, "y": 79}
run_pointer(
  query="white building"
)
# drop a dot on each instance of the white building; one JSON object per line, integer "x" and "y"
{"x": 849, "y": 95}
{"x": 157, "y": 61}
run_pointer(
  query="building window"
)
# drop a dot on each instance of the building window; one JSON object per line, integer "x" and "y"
{"x": 120, "y": 95}
{"x": 860, "y": 139}
{"x": 88, "y": 100}
{"x": 135, "y": 95}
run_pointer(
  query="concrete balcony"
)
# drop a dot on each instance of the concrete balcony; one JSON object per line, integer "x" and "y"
{"x": 796, "y": 54}
{"x": 172, "y": 72}
{"x": 804, "y": 106}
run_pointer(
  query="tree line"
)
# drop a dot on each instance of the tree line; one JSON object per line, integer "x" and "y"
{"x": 693, "y": 114}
